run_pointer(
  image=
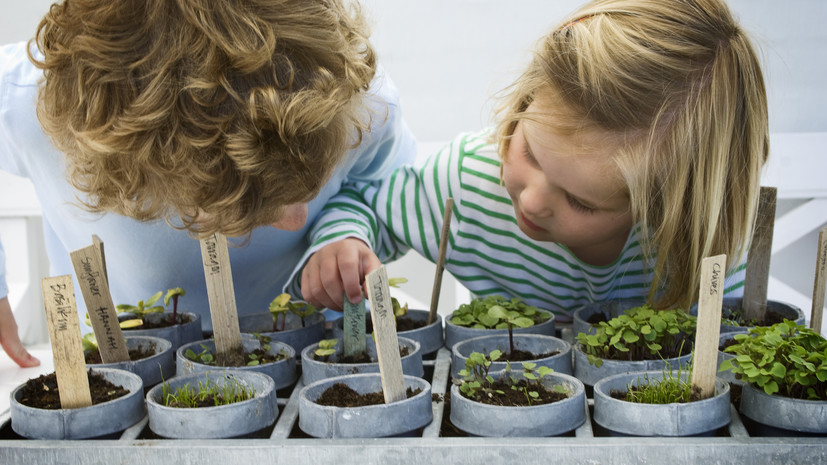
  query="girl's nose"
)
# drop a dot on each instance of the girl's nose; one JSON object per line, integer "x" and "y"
{"x": 535, "y": 201}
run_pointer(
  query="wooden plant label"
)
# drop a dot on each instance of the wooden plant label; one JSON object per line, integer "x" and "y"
{"x": 757, "y": 276}
{"x": 384, "y": 330}
{"x": 64, "y": 333}
{"x": 353, "y": 324}
{"x": 819, "y": 285}
{"x": 440, "y": 263}
{"x": 94, "y": 286}
{"x": 710, "y": 299}
{"x": 97, "y": 242}
{"x": 219, "y": 277}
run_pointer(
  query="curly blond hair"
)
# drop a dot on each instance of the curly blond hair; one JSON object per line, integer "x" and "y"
{"x": 222, "y": 110}
{"x": 681, "y": 81}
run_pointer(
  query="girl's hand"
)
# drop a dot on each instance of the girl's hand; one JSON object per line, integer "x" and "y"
{"x": 335, "y": 269}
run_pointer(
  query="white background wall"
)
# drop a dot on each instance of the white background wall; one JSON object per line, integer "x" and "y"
{"x": 448, "y": 58}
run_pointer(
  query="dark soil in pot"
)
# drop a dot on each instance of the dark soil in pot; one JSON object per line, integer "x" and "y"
{"x": 164, "y": 322}
{"x": 42, "y": 392}
{"x": 341, "y": 395}
{"x": 93, "y": 357}
{"x": 403, "y": 323}
{"x": 364, "y": 357}
{"x": 512, "y": 397}
{"x": 524, "y": 355}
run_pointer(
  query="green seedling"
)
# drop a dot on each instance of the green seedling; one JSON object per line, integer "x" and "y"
{"x": 282, "y": 304}
{"x": 89, "y": 342}
{"x": 641, "y": 333}
{"x": 673, "y": 387}
{"x": 173, "y": 294}
{"x": 206, "y": 357}
{"x": 477, "y": 384}
{"x": 784, "y": 359}
{"x": 327, "y": 347}
{"x": 533, "y": 374}
{"x": 399, "y": 310}
{"x": 476, "y": 313}
{"x": 207, "y": 394}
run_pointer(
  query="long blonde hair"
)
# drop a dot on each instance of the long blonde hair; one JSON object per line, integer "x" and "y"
{"x": 222, "y": 110}
{"x": 683, "y": 77}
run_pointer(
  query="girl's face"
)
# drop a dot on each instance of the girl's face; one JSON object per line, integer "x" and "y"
{"x": 566, "y": 189}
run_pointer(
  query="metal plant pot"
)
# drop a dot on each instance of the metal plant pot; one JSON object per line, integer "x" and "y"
{"x": 551, "y": 419}
{"x": 152, "y": 369}
{"x": 675, "y": 419}
{"x": 783, "y": 416}
{"x": 430, "y": 337}
{"x": 86, "y": 422}
{"x": 534, "y": 343}
{"x": 294, "y": 333}
{"x": 590, "y": 374}
{"x": 788, "y": 311}
{"x": 283, "y": 372}
{"x": 372, "y": 421}
{"x": 224, "y": 421}
{"x": 315, "y": 370}
{"x": 176, "y": 334}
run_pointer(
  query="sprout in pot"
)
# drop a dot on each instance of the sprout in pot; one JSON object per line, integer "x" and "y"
{"x": 284, "y": 303}
{"x": 477, "y": 384}
{"x": 255, "y": 357}
{"x": 92, "y": 354}
{"x": 327, "y": 347}
{"x": 208, "y": 394}
{"x": 146, "y": 307}
{"x": 641, "y": 333}
{"x": 672, "y": 387}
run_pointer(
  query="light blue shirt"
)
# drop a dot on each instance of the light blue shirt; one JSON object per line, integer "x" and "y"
{"x": 144, "y": 258}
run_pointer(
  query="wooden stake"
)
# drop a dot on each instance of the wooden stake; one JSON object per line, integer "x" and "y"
{"x": 754, "y": 303}
{"x": 710, "y": 299}
{"x": 819, "y": 285}
{"x": 64, "y": 333}
{"x": 221, "y": 295}
{"x": 354, "y": 328}
{"x": 440, "y": 263}
{"x": 97, "y": 242}
{"x": 384, "y": 330}
{"x": 94, "y": 286}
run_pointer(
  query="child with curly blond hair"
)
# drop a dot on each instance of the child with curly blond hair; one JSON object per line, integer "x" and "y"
{"x": 148, "y": 122}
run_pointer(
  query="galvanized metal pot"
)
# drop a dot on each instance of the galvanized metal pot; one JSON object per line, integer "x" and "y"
{"x": 373, "y": 421}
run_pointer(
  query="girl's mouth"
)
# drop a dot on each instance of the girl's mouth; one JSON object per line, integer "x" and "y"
{"x": 530, "y": 225}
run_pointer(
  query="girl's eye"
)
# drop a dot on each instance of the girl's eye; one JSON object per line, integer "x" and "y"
{"x": 575, "y": 204}
{"x": 528, "y": 156}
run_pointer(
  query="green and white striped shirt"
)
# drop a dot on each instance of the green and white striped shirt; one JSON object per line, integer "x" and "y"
{"x": 486, "y": 251}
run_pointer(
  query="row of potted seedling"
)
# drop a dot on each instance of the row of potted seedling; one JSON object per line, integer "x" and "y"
{"x": 501, "y": 316}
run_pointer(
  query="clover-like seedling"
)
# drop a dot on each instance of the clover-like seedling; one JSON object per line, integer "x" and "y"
{"x": 786, "y": 359}
{"x": 475, "y": 380}
{"x": 533, "y": 374}
{"x": 476, "y": 313}
{"x": 510, "y": 318}
{"x": 327, "y": 347}
{"x": 641, "y": 333}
